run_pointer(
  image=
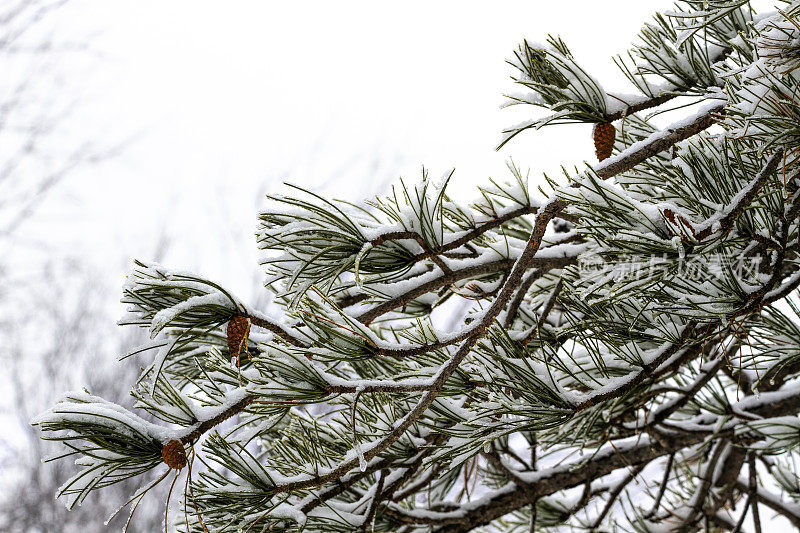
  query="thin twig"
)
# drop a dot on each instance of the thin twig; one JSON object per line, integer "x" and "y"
{"x": 753, "y": 482}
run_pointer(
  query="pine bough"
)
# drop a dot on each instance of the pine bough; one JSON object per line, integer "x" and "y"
{"x": 621, "y": 348}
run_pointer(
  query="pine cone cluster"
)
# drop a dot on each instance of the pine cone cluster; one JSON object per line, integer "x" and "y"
{"x": 174, "y": 455}
{"x": 604, "y": 134}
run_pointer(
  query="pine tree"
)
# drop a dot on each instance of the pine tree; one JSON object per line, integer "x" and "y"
{"x": 623, "y": 347}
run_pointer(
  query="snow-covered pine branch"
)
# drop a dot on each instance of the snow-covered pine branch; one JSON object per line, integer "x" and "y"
{"x": 623, "y": 345}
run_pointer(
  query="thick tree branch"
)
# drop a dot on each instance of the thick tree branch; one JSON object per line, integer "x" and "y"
{"x": 550, "y": 481}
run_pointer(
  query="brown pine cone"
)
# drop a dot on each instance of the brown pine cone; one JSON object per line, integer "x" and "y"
{"x": 238, "y": 330}
{"x": 174, "y": 455}
{"x": 604, "y": 134}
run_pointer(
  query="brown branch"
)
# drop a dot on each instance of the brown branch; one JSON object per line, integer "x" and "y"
{"x": 707, "y": 375}
{"x": 739, "y": 523}
{"x": 546, "y": 309}
{"x": 720, "y": 520}
{"x": 773, "y": 502}
{"x": 723, "y": 491}
{"x": 277, "y": 330}
{"x": 393, "y": 491}
{"x": 428, "y": 252}
{"x": 373, "y": 388}
{"x": 660, "y": 99}
{"x": 465, "y": 239}
{"x": 373, "y": 506}
{"x": 448, "y": 279}
{"x": 349, "y": 300}
{"x": 556, "y": 479}
{"x": 346, "y": 483}
{"x": 545, "y": 483}
{"x": 399, "y": 429}
{"x": 209, "y": 424}
{"x": 644, "y": 372}
{"x": 657, "y": 143}
{"x": 641, "y": 106}
{"x": 663, "y": 487}
{"x": 727, "y": 221}
{"x": 615, "y": 492}
{"x": 669, "y": 407}
{"x": 526, "y": 284}
{"x": 707, "y": 481}
{"x": 429, "y": 286}
{"x": 753, "y": 491}
{"x": 493, "y": 458}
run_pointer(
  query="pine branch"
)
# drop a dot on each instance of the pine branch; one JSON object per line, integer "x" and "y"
{"x": 629, "y": 108}
{"x": 513, "y": 307}
{"x": 692, "y": 511}
{"x": 444, "y": 280}
{"x": 788, "y": 510}
{"x": 662, "y": 488}
{"x": 724, "y": 220}
{"x": 615, "y": 492}
{"x": 753, "y": 491}
{"x": 208, "y": 424}
{"x": 634, "y": 155}
{"x": 550, "y": 481}
{"x": 445, "y": 371}
{"x": 708, "y": 372}
{"x": 282, "y": 332}
{"x": 376, "y": 499}
{"x": 659, "y": 141}
{"x": 620, "y": 338}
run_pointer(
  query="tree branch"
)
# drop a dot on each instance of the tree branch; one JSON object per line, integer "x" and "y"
{"x": 789, "y": 511}
{"x": 400, "y": 427}
{"x": 550, "y": 481}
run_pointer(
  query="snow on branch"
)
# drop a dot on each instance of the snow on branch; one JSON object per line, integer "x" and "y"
{"x": 603, "y": 351}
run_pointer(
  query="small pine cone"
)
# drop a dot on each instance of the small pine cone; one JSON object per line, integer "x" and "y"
{"x": 174, "y": 455}
{"x": 238, "y": 330}
{"x": 604, "y": 134}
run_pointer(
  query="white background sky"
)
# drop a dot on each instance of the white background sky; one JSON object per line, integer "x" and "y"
{"x": 228, "y": 100}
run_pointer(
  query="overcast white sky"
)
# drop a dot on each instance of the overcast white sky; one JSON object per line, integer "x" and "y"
{"x": 228, "y": 100}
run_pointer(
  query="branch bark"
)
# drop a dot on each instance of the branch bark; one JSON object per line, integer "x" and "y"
{"x": 548, "y": 482}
